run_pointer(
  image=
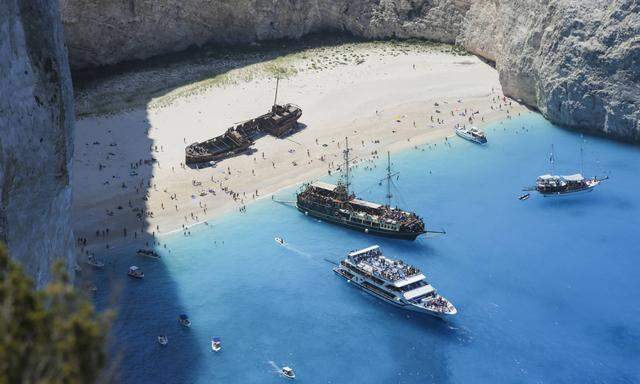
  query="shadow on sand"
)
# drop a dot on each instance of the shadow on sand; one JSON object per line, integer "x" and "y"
{"x": 144, "y": 308}
{"x": 99, "y": 90}
{"x": 150, "y": 306}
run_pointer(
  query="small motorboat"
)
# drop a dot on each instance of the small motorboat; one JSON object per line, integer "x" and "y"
{"x": 163, "y": 340}
{"x": 90, "y": 287}
{"x": 288, "y": 373}
{"x": 279, "y": 240}
{"x": 94, "y": 262}
{"x": 524, "y": 197}
{"x": 216, "y": 344}
{"x": 148, "y": 253}
{"x": 184, "y": 320}
{"x": 135, "y": 272}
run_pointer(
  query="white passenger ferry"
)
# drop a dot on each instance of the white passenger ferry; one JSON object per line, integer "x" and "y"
{"x": 393, "y": 281}
{"x": 472, "y": 134}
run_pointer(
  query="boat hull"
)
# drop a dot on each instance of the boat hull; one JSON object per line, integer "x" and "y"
{"x": 568, "y": 193}
{"x": 471, "y": 138}
{"x": 358, "y": 227}
{"x": 395, "y": 303}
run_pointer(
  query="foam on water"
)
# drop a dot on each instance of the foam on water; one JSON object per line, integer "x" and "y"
{"x": 547, "y": 289}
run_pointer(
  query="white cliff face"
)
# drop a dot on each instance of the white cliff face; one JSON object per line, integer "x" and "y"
{"x": 575, "y": 60}
{"x": 103, "y": 32}
{"x": 36, "y": 125}
{"x": 578, "y": 62}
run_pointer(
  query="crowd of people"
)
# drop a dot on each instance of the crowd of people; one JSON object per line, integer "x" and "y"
{"x": 147, "y": 203}
{"x": 392, "y": 270}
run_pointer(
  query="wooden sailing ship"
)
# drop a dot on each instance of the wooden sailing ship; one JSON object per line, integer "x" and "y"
{"x": 337, "y": 205}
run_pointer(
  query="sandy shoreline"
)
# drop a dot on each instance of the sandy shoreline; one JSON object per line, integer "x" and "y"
{"x": 384, "y": 103}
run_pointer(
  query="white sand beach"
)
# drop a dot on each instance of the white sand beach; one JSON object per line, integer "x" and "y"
{"x": 386, "y": 102}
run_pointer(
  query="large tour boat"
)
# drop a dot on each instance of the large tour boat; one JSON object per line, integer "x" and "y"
{"x": 552, "y": 185}
{"x": 279, "y": 121}
{"x": 472, "y": 134}
{"x": 393, "y": 281}
{"x": 335, "y": 204}
{"x": 558, "y": 185}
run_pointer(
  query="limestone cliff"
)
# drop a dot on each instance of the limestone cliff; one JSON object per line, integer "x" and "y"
{"x": 36, "y": 122}
{"x": 574, "y": 60}
{"x": 103, "y": 32}
{"x": 578, "y": 62}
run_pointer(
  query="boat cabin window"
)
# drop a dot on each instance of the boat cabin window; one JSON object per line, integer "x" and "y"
{"x": 413, "y": 286}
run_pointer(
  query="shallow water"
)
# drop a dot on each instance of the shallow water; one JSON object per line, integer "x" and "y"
{"x": 547, "y": 289}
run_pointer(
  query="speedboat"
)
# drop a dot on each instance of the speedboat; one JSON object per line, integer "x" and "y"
{"x": 288, "y": 373}
{"x": 472, "y": 134}
{"x": 90, "y": 287}
{"x": 148, "y": 253}
{"x": 279, "y": 240}
{"x": 561, "y": 185}
{"x": 524, "y": 197}
{"x": 163, "y": 340}
{"x": 135, "y": 272}
{"x": 92, "y": 261}
{"x": 216, "y": 344}
{"x": 394, "y": 282}
{"x": 184, "y": 320}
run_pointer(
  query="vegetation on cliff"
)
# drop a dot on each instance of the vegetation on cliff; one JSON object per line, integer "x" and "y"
{"x": 52, "y": 335}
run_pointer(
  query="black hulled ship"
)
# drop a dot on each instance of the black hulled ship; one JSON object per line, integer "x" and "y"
{"x": 280, "y": 121}
{"x": 336, "y": 204}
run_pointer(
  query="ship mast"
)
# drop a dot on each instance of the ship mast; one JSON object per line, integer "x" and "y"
{"x": 346, "y": 163}
{"x": 581, "y": 156}
{"x": 552, "y": 160}
{"x": 389, "y": 196}
{"x": 276, "y": 96}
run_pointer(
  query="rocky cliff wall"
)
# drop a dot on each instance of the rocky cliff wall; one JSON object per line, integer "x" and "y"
{"x": 575, "y": 60}
{"x": 103, "y": 32}
{"x": 36, "y": 125}
{"x": 578, "y": 62}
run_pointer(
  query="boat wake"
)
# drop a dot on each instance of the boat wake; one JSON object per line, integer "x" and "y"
{"x": 276, "y": 369}
{"x": 297, "y": 251}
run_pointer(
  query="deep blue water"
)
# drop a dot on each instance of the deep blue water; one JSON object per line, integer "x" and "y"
{"x": 548, "y": 290}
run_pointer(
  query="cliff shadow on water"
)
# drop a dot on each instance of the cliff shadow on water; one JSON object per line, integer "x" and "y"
{"x": 113, "y": 174}
{"x": 144, "y": 308}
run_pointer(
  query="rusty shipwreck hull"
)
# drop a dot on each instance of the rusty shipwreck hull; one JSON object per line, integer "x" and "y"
{"x": 280, "y": 121}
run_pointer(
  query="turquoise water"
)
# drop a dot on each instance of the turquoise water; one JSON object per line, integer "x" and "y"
{"x": 547, "y": 289}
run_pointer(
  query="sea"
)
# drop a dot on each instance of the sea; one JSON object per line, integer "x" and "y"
{"x": 547, "y": 289}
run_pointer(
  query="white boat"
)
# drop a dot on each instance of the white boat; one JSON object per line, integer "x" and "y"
{"x": 558, "y": 185}
{"x": 163, "y": 340}
{"x": 148, "y": 253}
{"x": 393, "y": 281}
{"x": 288, "y": 373}
{"x": 216, "y": 344}
{"x": 135, "y": 272}
{"x": 472, "y": 134}
{"x": 90, "y": 287}
{"x": 184, "y": 320}
{"x": 93, "y": 261}
{"x": 279, "y": 240}
{"x": 561, "y": 185}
